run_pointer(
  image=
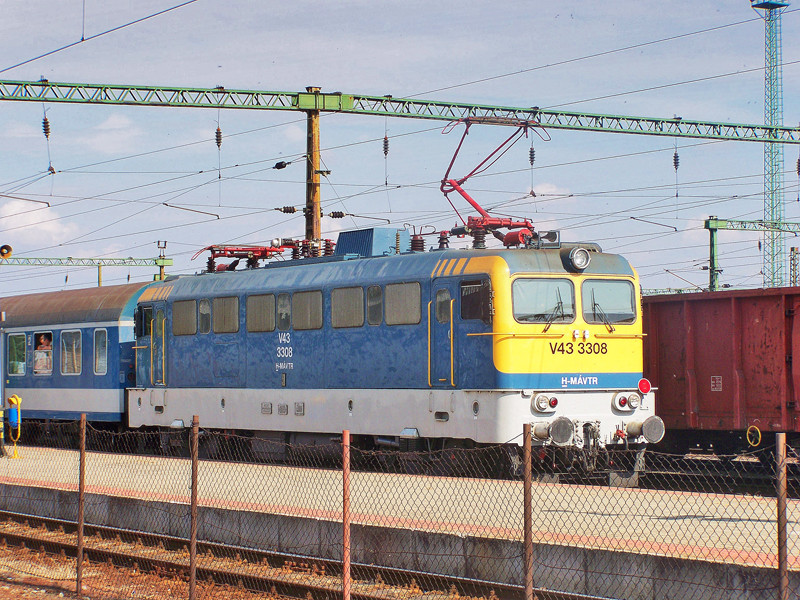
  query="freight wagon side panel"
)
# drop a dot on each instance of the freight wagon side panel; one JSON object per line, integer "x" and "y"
{"x": 719, "y": 359}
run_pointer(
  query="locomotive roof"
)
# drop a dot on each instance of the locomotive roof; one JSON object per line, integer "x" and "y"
{"x": 91, "y": 305}
{"x": 354, "y": 270}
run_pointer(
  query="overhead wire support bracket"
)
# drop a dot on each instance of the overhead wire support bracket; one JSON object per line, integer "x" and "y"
{"x": 220, "y": 97}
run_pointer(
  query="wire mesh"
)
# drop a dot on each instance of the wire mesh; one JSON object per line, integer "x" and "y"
{"x": 435, "y": 521}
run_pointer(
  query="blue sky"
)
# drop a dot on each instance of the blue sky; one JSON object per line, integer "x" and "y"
{"x": 117, "y": 166}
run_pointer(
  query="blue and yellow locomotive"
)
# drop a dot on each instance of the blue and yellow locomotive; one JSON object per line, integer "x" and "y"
{"x": 421, "y": 350}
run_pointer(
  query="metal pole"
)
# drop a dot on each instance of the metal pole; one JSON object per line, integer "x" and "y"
{"x": 3, "y": 368}
{"x": 81, "y": 505}
{"x": 193, "y": 525}
{"x": 713, "y": 269}
{"x": 783, "y": 563}
{"x": 528, "y": 502}
{"x": 345, "y": 515}
{"x": 313, "y": 230}
{"x": 99, "y": 275}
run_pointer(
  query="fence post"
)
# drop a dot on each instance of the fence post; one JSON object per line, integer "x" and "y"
{"x": 346, "y": 515}
{"x": 527, "y": 478}
{"x": 81, "y": 506}
{"x": 193, "y": 511}
{"x": 782, "y": 493}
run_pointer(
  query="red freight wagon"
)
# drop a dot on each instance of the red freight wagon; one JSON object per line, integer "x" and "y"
{"x": 722, "y": 363}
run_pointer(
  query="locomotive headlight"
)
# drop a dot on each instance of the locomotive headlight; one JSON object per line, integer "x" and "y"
{"x": 634, "y": 400}
{"x": 579, "y": 258}
{"x": 623, "y": 401}
{"x": 541, "y": 403}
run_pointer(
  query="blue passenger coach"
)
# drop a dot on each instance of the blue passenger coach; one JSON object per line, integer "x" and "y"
{"x": 414, "y": 349}
{"x": 71, "y": 352}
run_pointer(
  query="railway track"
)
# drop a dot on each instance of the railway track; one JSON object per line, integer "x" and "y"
{"x": 278, "y": 574}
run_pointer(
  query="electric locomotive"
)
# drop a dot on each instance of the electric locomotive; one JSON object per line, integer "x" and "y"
{"x": 406, "y": 349}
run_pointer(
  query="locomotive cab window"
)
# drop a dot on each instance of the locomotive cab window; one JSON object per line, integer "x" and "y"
{"x": 347, "y": 307}
{"x": 16, "y": 354}
{"x": 284, "y": 309}
{"x": 143, "y": 321}
{"x": 226, "y": 314}
{"x": 204, "y": 316}
{"x": 608, "y": 301}
{"x": 260, "y": 312}
{"x": 543, "y": 300}
{"x": 403, "y": 303}
{"x": 71, "y": 352}
{"x": 476, "y": 300}
{"x": 374, "y": 305}
{"x": 43, "y": 353}
{"x": 443, "y": 306}
{"x": 100, "y": 351}
{"x": 184, "y": 317}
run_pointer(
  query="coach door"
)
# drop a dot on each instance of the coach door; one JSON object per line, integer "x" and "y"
{"x": 441, "y": 317}
{"x": 158, "y": 345}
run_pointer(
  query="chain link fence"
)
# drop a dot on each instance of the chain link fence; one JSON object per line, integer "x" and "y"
{"x": 256, "y": 517}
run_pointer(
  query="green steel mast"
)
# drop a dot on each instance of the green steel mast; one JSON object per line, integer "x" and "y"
{"x": 774, "y": 267}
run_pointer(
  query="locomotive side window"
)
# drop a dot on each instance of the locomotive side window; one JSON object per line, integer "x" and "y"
{"x": 145, "y": 321}
{"x": 226, "y": 314}
{"x": 403, "y": 303}
{"x": 284, "y": 312}
{"x": 16, "y": 354}
{"x": 71, "y": 354}
{"x": 608, "y": 301}
{"x": 543, "y": 300}
{"x": 261, "y": 313}
{"x": 43, "y": 353}
{"x": 347, "y": 307}
{"x": 100, "y": 351}
{"x": 442, "y": 306}
{"x": 184, "y": 317}
{"x": 374, "y": 305}
{"x": 476, "y": 301}
{"x": 307, "y": 310}
{"x": 204, "y": 316}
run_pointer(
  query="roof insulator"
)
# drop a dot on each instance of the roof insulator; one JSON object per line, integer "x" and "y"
{"x": 46, "y": 127}
{"x": 219, "y": 137}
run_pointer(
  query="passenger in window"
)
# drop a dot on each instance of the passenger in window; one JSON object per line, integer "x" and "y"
{"x": 43, "y": 355}
{"x": 45, "y": 342}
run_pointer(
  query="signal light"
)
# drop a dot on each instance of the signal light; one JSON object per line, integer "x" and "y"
{"x": 634, "y": 400}
{"x": 623, "y": 401}
{"x": 553, "y": 402}
{"x": 580, "y": 258}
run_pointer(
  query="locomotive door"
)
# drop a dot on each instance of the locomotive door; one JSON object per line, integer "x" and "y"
{"x": 158, "y": 345}
{"x": 442, "y": 343}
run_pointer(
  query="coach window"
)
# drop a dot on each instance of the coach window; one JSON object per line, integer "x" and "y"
{"x": 543, "y": 301}
{"x": 284, "y": 312}
{"x": 16, "y": 354}
{"x": 43, "y": 353}
{"x": 374, "y": 305}
{"x": 307, "y": 310}
{"x": 71, "y": 352}
{"x": 226, "y": 314}
{"x": 204, "y": 316}
{"x": 403, "y": 303}
{"x": 261, "y": 313}
{"x": 184, "y": 317}
{"x": 347, "y": 307}
{"x": 476, "y": 300}
{"x": 608, "y": 301}
{"x": 100, "y": 351}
